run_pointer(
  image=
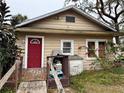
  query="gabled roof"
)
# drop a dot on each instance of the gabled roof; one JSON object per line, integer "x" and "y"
{"x": 62, "y": 10}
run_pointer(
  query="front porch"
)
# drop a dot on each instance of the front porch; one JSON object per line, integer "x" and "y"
{"x": 31, "y": 80}
{"x": 36, "y": 80}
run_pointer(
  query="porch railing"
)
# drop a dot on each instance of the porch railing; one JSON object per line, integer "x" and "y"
{"x": 15, "y": 67}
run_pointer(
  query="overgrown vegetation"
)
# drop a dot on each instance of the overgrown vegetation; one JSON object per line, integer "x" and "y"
{"x": 8, "y": 48}
{"x": 7, "y": 90}
{"x": 98, "y": 78}
{"x": 113, "y": 57}
{"x": 111, "y": 73}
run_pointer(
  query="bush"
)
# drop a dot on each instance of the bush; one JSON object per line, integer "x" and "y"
{"x": 113, "y": 57}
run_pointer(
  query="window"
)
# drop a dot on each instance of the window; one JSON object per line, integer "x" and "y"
{"x": 101, "y": 49}
{"x": 67, "y": 47}
{"x": 96, "y": 48}
{"x": 70, "y": 19}
{"x": 91, "y": 49}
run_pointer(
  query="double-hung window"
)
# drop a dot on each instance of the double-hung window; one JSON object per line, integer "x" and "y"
{"x": 67, "y": 47}
{"x": 96, "y": 47}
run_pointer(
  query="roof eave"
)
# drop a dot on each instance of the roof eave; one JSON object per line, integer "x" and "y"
{"x": 67, "y": 31}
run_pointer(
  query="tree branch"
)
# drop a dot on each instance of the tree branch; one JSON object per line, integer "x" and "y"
{"x": 121, "y": 12}
{"x": 103, "y": 11}
{"x": 121, "y": 22}
{"x": 109, "y": 5}
{"x": 100, "y": 14}
{"x": 116, "y": 7}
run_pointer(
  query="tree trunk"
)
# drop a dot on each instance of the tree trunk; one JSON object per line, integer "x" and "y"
{"x": 118, "y": 30}
{"x": 117, "y": 39}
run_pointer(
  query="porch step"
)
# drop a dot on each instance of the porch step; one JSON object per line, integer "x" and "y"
{"x": 32, "y": 87}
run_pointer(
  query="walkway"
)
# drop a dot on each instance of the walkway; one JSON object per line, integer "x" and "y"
{"x": 32, "y": 87}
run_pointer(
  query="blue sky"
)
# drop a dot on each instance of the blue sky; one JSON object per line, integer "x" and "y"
{"x": 34, "y": 8}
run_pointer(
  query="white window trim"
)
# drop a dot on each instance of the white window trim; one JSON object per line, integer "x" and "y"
{"x": 96, "y": 46}
{"x": 26, "y": 50}
{"x": 72, "y": 47}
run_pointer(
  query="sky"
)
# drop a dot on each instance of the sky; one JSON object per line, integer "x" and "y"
{"x": 34, "y": 8}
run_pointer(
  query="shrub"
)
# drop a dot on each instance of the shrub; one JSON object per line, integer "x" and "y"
{"x": 113, "y": 57}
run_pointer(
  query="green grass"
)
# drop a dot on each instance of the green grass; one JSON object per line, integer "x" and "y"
{"x": 93, "y": 79}
{"x": 7, "y": 90}
{"x": 119, "y": 70}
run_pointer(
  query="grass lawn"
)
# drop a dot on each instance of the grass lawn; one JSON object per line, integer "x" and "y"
{"x": 99, "y": 81}
{"x": 7, "y": 90}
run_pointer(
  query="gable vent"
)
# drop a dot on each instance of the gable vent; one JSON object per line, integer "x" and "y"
{"x": 70, "y": 19}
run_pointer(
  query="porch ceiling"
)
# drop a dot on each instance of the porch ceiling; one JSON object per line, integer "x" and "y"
{"x": 68, "y": 31}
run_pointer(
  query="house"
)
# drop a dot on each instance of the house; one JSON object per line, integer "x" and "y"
{"x": 68, "y": 29}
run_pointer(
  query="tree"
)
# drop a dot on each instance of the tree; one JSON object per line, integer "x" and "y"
{"x": 17, "y": 19}
{"x": 82, "y": 4}
{"x": 110, "y": 11}
{"x": 8, "y": 48}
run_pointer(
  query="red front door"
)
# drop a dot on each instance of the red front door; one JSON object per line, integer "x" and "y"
{"x": 34, "y": 52}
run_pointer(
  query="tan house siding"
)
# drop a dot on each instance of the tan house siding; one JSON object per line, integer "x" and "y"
{"x": 53, "y": 41}
{"x": 58, "y": 22}
{"x": 54, "y": 28}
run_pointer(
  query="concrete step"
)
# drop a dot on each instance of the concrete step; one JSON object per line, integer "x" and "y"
{"x": 32, "y": 87}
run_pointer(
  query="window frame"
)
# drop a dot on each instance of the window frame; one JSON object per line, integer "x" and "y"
{"x": 96, "y": 46}
{"x": 72, "y": 47}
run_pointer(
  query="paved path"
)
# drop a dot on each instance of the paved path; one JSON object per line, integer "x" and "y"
{"x": 32, "y": 87}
